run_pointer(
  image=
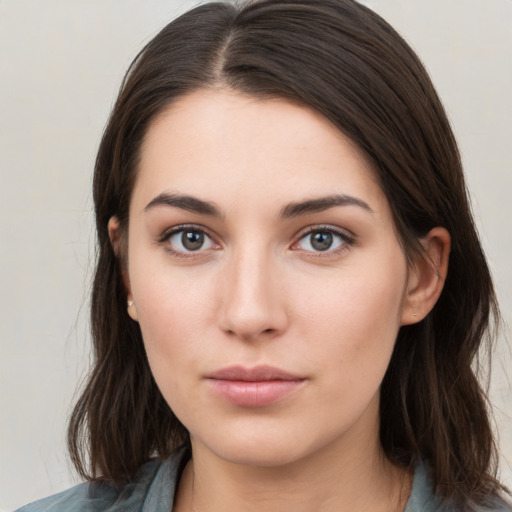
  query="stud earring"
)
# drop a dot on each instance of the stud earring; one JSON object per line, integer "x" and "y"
{"x": 132, "y": 310}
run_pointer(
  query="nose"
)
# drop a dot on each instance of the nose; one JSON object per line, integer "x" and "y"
{"x": 253, "y": 303}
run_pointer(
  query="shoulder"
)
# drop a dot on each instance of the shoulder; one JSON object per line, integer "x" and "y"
{"x": 424, "y": 499}
{"x": 154, "y": 483}
{"x": 501, "y": 503}
{"x": 96, "y": 497}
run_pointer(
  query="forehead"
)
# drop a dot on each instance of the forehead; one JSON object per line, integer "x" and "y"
{"x": 229, "y": 145}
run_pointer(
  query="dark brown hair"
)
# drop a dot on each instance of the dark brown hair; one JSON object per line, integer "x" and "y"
{"x": 343, "y": 60}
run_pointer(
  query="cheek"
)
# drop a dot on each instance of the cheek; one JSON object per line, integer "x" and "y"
{"x": 357, "y": 317}
{"x": 172, "y": 310}
{"x": 175, "y": 320}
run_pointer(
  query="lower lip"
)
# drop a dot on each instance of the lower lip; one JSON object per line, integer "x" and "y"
{"x": 254, "y": 394}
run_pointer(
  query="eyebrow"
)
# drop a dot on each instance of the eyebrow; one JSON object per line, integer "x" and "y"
{"x": 296, "y": 209}
{"x": 189, "y": 203}
{"x": 321, "y": 204}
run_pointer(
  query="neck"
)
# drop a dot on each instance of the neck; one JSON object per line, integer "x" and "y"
{"x": 353, "y": 474}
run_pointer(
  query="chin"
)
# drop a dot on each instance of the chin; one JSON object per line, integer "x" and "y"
{"x": 264, "y": 447}
{"x": 259, "y": 455}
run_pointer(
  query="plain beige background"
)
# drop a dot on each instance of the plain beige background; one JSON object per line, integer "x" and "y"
{"x": 60, "y": 67}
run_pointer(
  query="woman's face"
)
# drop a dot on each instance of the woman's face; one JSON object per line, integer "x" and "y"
{"x": 267, "y": 278}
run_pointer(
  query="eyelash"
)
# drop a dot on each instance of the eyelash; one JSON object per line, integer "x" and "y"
{"x": 168, "y": 234}
{"x": 346, "y": 240}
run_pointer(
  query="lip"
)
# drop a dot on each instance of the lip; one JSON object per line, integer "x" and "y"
{"x": 254, "y": 387}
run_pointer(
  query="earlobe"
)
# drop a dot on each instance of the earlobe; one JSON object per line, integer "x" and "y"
{"x": 115, "y": 240}
{"x": 427, "y": 275}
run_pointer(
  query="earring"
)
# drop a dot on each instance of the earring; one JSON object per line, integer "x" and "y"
{"x": 132, "y": 310}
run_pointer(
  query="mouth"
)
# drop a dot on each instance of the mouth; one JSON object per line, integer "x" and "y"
{"x": 253, "y": 387}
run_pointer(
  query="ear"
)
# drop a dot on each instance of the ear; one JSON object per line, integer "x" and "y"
{"x": 114, "y": 234}
{"x": 427, "y": 275}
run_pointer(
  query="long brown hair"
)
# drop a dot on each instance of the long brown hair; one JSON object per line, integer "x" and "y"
{"x": 343, "y": 60}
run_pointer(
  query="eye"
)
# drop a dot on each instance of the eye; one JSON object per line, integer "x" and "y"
{"x": 183, "y": 240}
{"x": 323, "y": 240}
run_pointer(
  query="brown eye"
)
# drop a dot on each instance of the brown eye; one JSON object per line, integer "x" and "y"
{"x": 186, "y": 240}
{"x": 192, "y": 240}
{"x": 328, "y": 240}
{"x": 321, "y": 241}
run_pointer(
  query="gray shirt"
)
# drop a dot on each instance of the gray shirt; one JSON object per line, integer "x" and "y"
{"x": 154, "y": 487}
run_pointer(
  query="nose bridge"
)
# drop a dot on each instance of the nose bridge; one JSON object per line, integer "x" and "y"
{"x": 253, "y": 302}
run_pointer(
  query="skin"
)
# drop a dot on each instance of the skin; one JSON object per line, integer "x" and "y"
{"x": 260, "y": 292}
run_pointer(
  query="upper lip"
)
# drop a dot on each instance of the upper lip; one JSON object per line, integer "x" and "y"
{"x": 255, "y": 374}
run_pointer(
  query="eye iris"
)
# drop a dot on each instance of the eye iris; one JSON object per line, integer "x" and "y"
{"x": 321, "y": 241}
{"x": 192, "y": 240}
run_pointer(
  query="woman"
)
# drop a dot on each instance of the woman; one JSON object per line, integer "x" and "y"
{"x": 290, "y": 290}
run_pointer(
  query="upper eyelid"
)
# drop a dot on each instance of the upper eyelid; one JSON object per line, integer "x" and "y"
{"x": 345, "y": 233}
{"x": 183, "y": 227}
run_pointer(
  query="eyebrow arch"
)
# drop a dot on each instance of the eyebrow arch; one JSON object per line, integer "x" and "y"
{"x": 320, "y": 204}
{"x": 296, "y": 209}
{"x": 189, "y": 203}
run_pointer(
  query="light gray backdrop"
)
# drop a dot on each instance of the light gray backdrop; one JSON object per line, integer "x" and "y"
{"x": 61, "y": 62}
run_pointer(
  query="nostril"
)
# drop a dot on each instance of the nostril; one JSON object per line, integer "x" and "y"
{"x": 265, "y": 333}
